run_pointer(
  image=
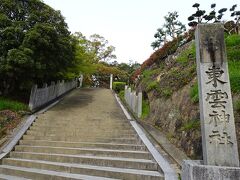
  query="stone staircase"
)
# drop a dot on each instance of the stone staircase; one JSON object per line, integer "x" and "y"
{"x": 80, "y": 148}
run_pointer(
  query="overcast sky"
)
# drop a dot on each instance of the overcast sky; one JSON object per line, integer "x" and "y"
{"x": 129, "y": 25}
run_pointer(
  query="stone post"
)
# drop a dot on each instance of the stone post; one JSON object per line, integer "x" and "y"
{"x": 139, "y": 106}
{"x": 219, "y": 143}
{"x": 32, "y": 97}
{"x": 134, "y": 101}
{"x": 111, "y": 81}
{"x": 129, "y": 96}
{"x": 125, "y": 92}
{"x": 81, "y": 81}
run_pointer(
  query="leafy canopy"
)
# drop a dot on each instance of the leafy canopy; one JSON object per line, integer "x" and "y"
{"x": 35, "y": 44}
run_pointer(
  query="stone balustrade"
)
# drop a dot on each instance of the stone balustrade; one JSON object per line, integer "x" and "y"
{"x": 41, "y": 96}
{"x": 134, "y": 101}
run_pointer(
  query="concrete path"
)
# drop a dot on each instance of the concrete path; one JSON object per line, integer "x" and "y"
{"x": 85, "y": 136}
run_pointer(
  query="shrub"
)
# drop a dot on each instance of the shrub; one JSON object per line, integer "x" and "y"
{"x": 118, "y": 86}
{"x": 152, "y": 85}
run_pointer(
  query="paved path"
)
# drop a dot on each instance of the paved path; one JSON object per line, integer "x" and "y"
{"x": 85, "y": 136}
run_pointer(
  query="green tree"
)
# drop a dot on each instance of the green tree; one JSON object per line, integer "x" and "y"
{"x": 236, "y": 15}
{"x": 173, "y": 26}
{"x": 161, "y": 37}
{"x": 200, "y": 16}
{"x": 171, "y": 29}
{"x": 100, "y": 47}
{"x": 35, "y": 44}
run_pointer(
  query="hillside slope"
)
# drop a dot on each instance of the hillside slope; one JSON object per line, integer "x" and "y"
{"x": 170, "y": 87}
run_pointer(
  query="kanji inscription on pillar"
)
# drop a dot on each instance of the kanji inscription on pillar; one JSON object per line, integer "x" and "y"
{"x": 216, "y": 112}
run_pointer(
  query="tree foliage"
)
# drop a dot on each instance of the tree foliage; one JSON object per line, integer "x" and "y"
{"x": 236, "y": 16}
{"x": 93, "y": 57}
{"x": 99, "y": 46}
{"x": 171, "y": 29}
{"x": 200, "y": 16}
{"x": 35, "y": 44}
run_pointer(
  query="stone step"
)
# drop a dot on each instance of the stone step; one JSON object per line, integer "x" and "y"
{"x": 87, "y": 119}
{"x": 84, "y": 151}
{"x": 81, "y": 134}
{"x": 82, "y": 144}
{"x": 43, "y": 174}
{"x": 80, "y": 124}
{"x": 103, "y": 127}
{"x": 6, "y": 177}
{"x": 143, "y": 164}
{"x": 111, "y": 172}
{"x": 63, "y": 129}
{"x": 73, "y": 133}
{"x": 134, "y": 140}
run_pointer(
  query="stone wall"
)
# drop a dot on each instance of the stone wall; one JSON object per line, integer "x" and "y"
{"x": 46, "y": 94}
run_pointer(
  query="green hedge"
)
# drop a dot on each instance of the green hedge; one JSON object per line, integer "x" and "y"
{"x": 118, "y": 86}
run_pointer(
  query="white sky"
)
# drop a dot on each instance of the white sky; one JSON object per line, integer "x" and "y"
{"x": 129, "y": 25}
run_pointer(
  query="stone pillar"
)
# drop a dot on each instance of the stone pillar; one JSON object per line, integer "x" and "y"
{"x": 139, "y": 106}
{"x": 219, "y": 141}
{"x": 111, "y": 81}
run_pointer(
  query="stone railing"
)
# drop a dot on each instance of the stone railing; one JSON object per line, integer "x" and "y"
{"x": 41, "y": 96}
{"x": 134, "y": 101}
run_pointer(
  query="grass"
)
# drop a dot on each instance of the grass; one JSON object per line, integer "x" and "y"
{"x": 237, "y": 105}
{"x": 234, "y": 75}
{"x": 191, "y": 125}
{"x": 121, "y": 95}
{"x": 194, "y": 93}
{"x": 233, "y": 55}
{"x": 233, "y": 40}
{"x": 149, "y": 73}
{"x": 187, "y": 55}
{"x": 145, "y": 108}
{"x": 12, "y": 105}
{"x": 166, "y": 92}
{"x": 152, "y": 85}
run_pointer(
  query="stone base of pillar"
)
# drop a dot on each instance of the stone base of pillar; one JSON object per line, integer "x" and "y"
{"x": 195, "y": 170}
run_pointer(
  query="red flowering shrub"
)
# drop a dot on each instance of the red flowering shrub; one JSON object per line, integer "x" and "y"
{"x": 167, "y": 49}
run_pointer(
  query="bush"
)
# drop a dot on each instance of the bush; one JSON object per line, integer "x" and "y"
{"x": 118, "y": 86}
{"x": 151, "y": 86}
